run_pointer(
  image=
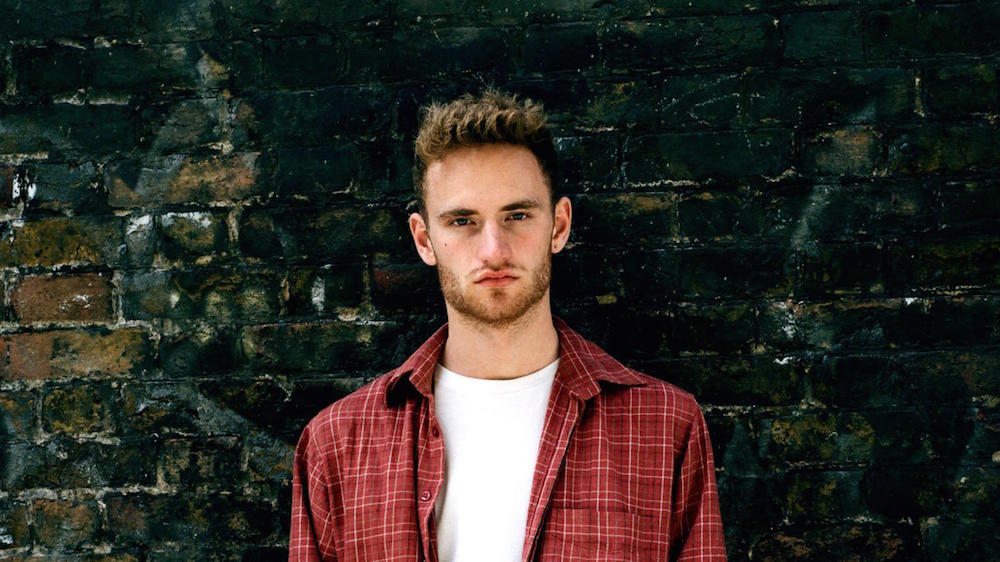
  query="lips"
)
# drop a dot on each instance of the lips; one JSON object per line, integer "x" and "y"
{"x": 496, "y": 278}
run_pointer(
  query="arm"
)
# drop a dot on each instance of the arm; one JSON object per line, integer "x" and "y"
{"x": 695, "y": 523}
{"x": 310, "y": 503}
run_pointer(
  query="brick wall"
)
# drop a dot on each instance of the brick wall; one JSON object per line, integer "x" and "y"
{"x": 789, "y": 208}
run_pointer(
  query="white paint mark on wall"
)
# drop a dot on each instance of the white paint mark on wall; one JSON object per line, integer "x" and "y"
{"x": 203, "y": 220}
{"x": 136, "y": 224}
{"x": 318, "y": 293}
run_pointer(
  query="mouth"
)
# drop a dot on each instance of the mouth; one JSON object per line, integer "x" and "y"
{"x": 495, "y": 279}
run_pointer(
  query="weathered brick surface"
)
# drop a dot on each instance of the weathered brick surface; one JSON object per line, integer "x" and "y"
{"x": 788, "y": 208}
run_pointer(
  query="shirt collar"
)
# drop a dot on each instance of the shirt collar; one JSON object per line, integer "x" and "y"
{"x": 582, "y": 365}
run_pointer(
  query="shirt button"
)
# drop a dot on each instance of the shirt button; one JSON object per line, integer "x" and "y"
{"x": 425, "y": 496}
{"x": 434, "y": 432}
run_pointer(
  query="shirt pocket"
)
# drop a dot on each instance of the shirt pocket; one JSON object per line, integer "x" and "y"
{"x": 588, "y": 534}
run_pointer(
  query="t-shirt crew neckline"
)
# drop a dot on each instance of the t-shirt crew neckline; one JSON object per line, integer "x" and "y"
{"x": 465, "y": 384}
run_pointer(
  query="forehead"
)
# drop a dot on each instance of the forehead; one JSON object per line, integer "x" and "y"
{"x": 484, "y": 176}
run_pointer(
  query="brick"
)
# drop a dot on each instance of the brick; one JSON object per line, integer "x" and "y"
{"x": 908, "y": 491}
{"x": 652, "y": 159}
{"x": 192, "y": 235}
{"x": 183, "y": 179}
{"x": 919, "y": 435}
{"x": 868, "y": 324}
{"x": 821, "y": 96}
{"x": 305, "y": 234}
{"x": 602, "y": 269}
{"x": 200, "y": 350}
{"x": 822, "y": 495}
{"x": 958, "y": 262}
{"x": 201, "y": 465}
{"x": 730, "y": 41}
{"x": 940, "y": 148}
{"x": 927, "y": 31}
{"x": 848, "y": 213}
{"x": 827, "y": 36}
{"x": 321, "y": 291}
{"x": 67, "y": 463}
{"x": 817, "y": 438}
{"x": 410, "y": 287}
{"x": 587, "y": 162}
{"x": 73, "y": 353}
{"x": 14, "y": 531}
{"x": 64, "y": 18}
{"x": 309, "y": 395}
{"x": 838, "y": 541}
{"x": 203, "y": 125}
{"x": 314, "y": 117}
{"x": 301, "y": 17}
{"x": 17, "y": 414}
{"x": 333, "y": 345}
{"x": 669, "y": 331}
{"x": 303, "y": 61}
{"x": 140, "y": 240}
{"x": 78, "y": 409}
{"x": 65, "y": 524}
{"x": 161, "y": 408}
{"x": 758, "y": 380}
{"x": 67, "y": 187}
{"x": 448, "y": 51}
{"x": 693, "y": 273}
{"x": 270, "y": 465}
{"x": 48, "y": 70}
{"x": 856, "y": 380}
{"x": 959, "y": 537}
{"x": 67, "y": 130}
{"x": 586, "y": 106}
{"x": 979, "y": 93}
{"x": 834, "y": 268}
{"x": 227, "y": 519}
{"x": 702, "y": 100}
{"x": 136, "y": 69}
{"x": 323, "y": 172}
{"x": 64, "y": 241}
{"x": 261, "y": 401}
{"x": 79, "y": 298}
{"x": 222, "y": 295}
{"x": 185, "y": 22}
{"x": 946, "y": 377}
{"x": 724, "y": 215}
{"x": 565, "y": 47}
{"x": 600, "y": 219}
{"x": 969, "y": 206}
{"x": 854, "y": 151}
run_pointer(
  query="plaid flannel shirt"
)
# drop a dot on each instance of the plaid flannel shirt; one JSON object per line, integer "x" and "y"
{"x": 624, "y": 469}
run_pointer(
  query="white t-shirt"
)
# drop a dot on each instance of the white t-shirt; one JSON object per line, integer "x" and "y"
{"x": 491, "y": 431}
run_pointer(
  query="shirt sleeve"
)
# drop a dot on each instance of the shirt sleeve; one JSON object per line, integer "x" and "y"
{"x": 696, "y": 524}
{"x": 310, "y": 503}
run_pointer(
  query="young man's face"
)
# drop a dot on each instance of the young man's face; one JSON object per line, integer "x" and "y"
{"x": 491, "y": 232}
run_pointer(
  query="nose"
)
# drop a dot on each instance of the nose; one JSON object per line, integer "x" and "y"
{"x": 494, "y": 247}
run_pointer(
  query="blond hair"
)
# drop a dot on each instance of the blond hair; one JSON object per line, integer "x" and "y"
{"x": 492, "y": 117}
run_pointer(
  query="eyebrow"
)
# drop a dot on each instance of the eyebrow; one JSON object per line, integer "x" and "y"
{"x": 516, "y": 205}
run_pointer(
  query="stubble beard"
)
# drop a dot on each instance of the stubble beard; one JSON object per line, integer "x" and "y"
{"x": 480, "y": 310}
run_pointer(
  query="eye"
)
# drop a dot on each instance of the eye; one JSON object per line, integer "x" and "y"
{"x": 460, "y": 221}
{"x": 519, "y": 216}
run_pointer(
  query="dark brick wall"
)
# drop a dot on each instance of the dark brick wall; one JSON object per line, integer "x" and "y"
{"x": 789, "y": 208}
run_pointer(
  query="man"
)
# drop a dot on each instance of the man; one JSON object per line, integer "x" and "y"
{"x": 506, "y": 436}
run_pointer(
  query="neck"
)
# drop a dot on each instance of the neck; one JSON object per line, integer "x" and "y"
{"x": 506, "y": 352}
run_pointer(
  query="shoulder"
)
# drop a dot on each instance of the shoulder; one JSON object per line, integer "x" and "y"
{"x": 343, "y": 418}
{"x": 653, "y": 399}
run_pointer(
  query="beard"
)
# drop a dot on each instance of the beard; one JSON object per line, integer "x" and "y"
{"x": 498, "y": 307}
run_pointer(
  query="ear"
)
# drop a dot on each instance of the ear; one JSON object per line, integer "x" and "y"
{"x": 421, "y": 239}
{"x": 563, "y": 219}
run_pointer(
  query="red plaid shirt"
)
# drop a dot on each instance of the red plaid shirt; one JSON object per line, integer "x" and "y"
{"x": 624, "y": 469}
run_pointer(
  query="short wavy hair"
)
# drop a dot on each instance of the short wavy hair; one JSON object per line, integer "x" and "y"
{"x": 492, "y": 117}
